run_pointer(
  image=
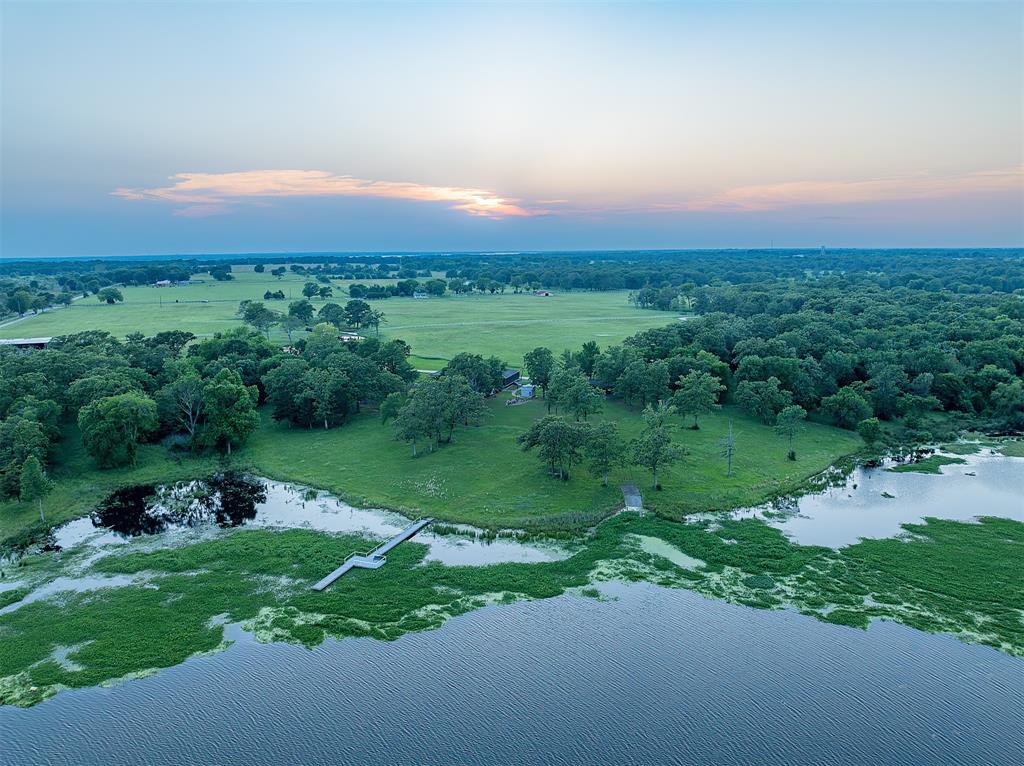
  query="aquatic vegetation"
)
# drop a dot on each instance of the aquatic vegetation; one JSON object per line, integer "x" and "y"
{"x": 960, "y": 578}
{"x": 13, "y": 596}
{"x": 930, "y": 464}
{"x": 963, "y": 448}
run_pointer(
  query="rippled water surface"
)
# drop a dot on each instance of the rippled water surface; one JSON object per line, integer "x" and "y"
{"x": 650, "y": 676}
{"x": 644, "y": 676}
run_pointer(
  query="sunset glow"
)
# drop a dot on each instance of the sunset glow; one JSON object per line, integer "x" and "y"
{"x": 509, "y": 126}
{"x": 212, "y": 193}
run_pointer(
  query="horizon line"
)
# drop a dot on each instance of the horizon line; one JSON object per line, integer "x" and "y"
{"x": 401, "y": 253}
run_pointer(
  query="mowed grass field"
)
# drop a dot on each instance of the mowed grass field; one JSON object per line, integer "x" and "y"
{"x": 484, "y": 478}
{"x": 481, "y": 478}
{"x": 436, "y": 328}
{"x": 203, "y": 307}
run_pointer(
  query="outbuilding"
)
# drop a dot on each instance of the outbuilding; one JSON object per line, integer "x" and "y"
{"x": 25, "y": 342}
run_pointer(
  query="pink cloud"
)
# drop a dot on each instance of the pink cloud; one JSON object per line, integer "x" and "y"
{"x": 797, "y": 193}
{"x": 208, "y": 194}
{"x": 214, "y": 193}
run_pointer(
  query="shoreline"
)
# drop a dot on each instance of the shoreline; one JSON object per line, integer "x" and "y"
{"x": 259, "y": 577}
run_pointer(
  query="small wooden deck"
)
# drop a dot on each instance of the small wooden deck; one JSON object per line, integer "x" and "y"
{"x": 375, "y": 558}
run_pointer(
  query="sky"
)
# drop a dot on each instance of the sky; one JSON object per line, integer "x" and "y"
{"x": 166, "y": 128}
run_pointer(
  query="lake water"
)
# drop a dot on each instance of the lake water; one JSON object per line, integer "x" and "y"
{"x": 649, "y": 676}
{"x": 644, "y": 676}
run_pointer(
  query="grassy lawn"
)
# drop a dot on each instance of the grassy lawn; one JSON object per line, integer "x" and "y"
{"x": 483, "y": 477}
{"x": 505, "y": 325}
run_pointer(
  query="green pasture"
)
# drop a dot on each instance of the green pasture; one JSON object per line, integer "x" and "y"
{"x": 506, "y": 325}
{"x": 204, "y": 307}
{"x": 510, "y": 325}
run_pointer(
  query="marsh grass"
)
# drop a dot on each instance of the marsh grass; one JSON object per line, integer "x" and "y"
{"x": 962, "y": 448}
{"x": 1013, "y": 448}
{"x": 930, "y": 464}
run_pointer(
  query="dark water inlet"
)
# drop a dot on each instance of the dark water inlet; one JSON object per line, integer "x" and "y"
{"x": 227, "y": 499}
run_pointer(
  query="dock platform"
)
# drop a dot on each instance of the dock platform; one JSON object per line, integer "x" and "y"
{"x": 376, "y": 558}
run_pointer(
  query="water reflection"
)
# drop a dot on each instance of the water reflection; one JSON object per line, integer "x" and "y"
{"x": 227, "y": 499}
{"x": 126, "y": 511}
{"x": 153, "y": 517}
{"x": 875, "y": 502}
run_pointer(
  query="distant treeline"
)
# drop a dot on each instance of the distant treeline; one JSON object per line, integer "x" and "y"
{"x": 967, "y": 270}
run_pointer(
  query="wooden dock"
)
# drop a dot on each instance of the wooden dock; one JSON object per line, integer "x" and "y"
{"x": 375, "y": 558}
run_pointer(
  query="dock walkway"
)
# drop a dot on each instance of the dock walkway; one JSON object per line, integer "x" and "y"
{"x": 375, "y": 558}
{"x": 631, "y": 497}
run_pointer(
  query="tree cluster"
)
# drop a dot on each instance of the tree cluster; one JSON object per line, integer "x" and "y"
{"x": 120, "y": 394}
{"x": 327, "y": 381}
{"x": 435, "y": 408}
{"x": 356, "y": 315}
{"x": 561, "y": 444}
{"x": 842, "y": 350}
